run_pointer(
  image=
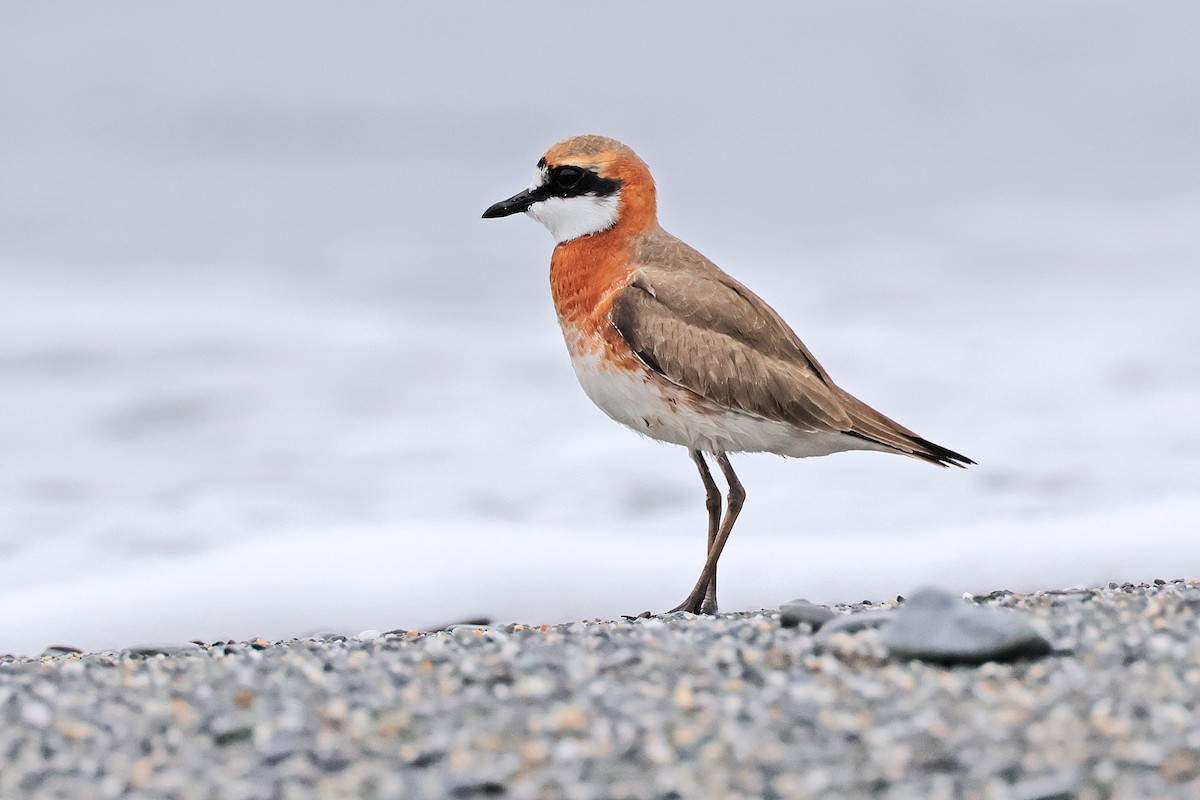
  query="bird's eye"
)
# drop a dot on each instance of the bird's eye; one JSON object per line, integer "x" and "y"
{"x": 567, "y": 177}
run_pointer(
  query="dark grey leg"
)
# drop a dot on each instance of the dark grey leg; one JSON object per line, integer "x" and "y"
{"x": 712, "y": 502}
{"x": 695, "y": 601}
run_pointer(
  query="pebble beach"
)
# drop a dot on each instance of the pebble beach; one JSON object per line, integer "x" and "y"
{"x": 676, "y": 706}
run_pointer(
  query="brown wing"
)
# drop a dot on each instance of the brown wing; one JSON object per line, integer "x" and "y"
{"x": 704, "y": 336}
{"x": 706, "y": 332}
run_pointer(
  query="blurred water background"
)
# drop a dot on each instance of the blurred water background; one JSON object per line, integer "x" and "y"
{"x": 263, "y": 369}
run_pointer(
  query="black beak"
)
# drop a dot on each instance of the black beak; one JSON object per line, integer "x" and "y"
{"x": 521, "y": 201}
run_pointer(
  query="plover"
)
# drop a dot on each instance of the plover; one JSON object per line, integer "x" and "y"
{"x": 667, "y": 344}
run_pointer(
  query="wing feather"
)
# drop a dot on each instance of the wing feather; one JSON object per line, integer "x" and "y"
{"x": 712, "y": 343}
{"x": 704, "y": 331}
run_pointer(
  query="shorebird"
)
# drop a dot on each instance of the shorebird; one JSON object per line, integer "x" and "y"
{"x": 667, "y": 344}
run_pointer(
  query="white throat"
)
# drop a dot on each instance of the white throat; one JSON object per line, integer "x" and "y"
{"x": 569, "y": 218}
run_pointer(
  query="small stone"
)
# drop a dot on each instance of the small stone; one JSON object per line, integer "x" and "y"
{"x": 1181, "y": 765}
{"x": 935, "y": 625}
{"x": 36, "y": 714}
{"x": 478, "y": 789}
{"x": 329, "y": 760}
{"x": 76, "y": 730}
{"x": 230, "y": 736}
{"x": 278, "y": 748}
{"x": 56, "y": 650}
{"x": 791, "y": 614}
{"x": 1063, "y": 786}
{"x": 427, "y": 759}
{"x": 472, "y": 628}
{"x": 479, "y": 622}
{"x": 162, "y": 649}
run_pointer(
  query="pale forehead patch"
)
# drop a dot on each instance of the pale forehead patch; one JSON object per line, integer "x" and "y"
{"x": 540, "y": 176}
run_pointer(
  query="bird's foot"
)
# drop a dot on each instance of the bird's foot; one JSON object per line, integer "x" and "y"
{"x": 709, "y": 606}
{"x": 697, "y": 604}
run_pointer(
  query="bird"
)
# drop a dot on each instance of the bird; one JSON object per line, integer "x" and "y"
{"x": 669, "y": 345}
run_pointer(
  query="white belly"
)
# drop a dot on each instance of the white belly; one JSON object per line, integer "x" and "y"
{"x": 655, "y": 407}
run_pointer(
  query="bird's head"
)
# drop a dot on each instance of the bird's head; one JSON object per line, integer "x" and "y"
{"x": 585, "y": 185}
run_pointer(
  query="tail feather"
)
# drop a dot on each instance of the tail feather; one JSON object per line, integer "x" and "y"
{"x": 917, "y": 447}
{"x": 869, "y": 425}
{"x": 936, "y": 454}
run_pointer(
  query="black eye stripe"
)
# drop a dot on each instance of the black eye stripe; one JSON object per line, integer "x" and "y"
{"x": 571, "y": 181}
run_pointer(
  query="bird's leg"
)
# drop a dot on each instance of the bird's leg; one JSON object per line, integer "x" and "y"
{"x": 737, "y": 495}
{"x": 712, "y": 502}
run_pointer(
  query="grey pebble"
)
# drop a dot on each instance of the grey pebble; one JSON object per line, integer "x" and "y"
{"x": 330, "y": 760}
{"x": 60, "y": 650}
{"x": 279, "y": 747}
{"x": 1059, "y": 786}
{"x": 792, "y": 613}
{"x": 482, "y": 788}
{"x": 230, "y": 736}
{"x": 936, "y": 625}
{"x": 163, "y": 649}
{"x": 36, "y": 714}
{"x": 470, "y": 627}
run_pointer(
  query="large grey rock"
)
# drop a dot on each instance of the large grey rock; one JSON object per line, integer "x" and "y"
{"x": 936, "y": 625}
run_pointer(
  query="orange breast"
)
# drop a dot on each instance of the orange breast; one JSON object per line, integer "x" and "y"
{"x": 585, "y": 275}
